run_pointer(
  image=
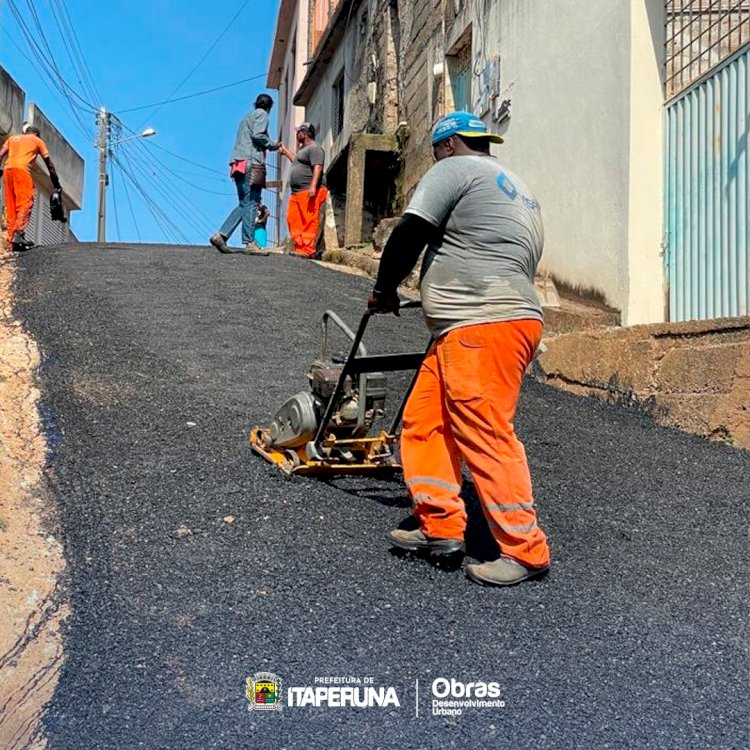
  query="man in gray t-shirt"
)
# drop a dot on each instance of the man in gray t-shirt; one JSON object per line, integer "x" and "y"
{"x": 309, "y": 193}
{"x": 484, "y": 236}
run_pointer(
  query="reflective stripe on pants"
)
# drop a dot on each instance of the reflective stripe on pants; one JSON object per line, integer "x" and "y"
{"x": 462, "y": 409}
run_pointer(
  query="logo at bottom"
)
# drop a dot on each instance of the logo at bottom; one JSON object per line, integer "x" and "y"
{"x": 263, "y": 690}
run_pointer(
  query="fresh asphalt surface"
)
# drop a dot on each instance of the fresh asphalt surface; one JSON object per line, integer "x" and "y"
{"x": 158, "y": 359}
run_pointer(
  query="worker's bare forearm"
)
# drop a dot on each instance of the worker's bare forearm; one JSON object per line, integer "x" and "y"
{"x": 317, "y": 174}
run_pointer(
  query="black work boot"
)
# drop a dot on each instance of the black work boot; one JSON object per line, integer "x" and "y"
{"x": 20, "y": 243}
{"x": 219, "y": 241}
{"x": 416, "y": 541}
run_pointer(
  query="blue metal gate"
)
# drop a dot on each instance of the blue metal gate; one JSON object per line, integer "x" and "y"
{"x": 706, "y": 193}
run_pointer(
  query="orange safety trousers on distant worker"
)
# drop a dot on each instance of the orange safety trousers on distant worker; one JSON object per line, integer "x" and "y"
{"x": 19, "y": 199}
{"x": 462, "y": 410}
{"x": 303, "y": 218}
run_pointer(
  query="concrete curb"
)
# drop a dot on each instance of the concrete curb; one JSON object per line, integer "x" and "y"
{"x": 693, "y": 376}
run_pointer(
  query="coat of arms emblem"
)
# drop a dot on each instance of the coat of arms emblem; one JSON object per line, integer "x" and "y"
{"x": 263, "y": 690}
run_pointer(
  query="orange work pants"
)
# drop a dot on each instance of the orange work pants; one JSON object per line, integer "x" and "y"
{"x": 303, "y": 218}
{"x": 19, "y": 199}
{"x": 462, "y": 410}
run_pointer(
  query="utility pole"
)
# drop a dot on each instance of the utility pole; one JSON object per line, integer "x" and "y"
{"x": 103, "y": 145}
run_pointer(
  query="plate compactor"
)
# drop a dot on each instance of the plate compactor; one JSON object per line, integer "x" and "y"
{"x": 326, "y": 430}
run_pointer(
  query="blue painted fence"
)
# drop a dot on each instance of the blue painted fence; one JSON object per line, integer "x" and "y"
{"x": 706, "y": 178}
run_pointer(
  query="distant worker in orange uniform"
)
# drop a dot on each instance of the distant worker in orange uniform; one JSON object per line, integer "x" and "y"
{"x": 22, "y": 151}
{"x": 308, "y": 191}
{"x": 484, "y": 236}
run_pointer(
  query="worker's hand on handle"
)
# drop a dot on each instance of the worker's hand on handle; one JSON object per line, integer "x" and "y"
{"x": 383, "y": 302}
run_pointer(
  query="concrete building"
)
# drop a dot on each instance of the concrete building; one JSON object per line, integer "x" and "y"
{"x": 69, "y": 164}
{"x": 581, "y": 96}
{"x": 285, "y": 70}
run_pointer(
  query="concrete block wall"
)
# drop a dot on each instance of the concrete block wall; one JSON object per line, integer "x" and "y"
{"x": 421, "y": 97}
{"x": 694, "y": 376}
{"x": 12, "y": 100}
{"x": 67, "y": 161}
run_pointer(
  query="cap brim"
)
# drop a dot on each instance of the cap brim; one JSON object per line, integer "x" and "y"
{"x": 492, "y": 137}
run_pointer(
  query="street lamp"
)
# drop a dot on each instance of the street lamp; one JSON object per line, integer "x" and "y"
{"x": 104, "y": 144}
{"x": 147, "y": 133}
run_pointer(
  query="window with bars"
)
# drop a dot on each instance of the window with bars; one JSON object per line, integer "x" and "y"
{"x": 338, "y": 105}
{"x": 700, "y": 34}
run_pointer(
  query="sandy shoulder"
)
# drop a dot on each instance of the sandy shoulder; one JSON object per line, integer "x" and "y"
{"x": 32, "y": 566}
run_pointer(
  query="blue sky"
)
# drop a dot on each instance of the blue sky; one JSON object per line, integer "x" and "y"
{"x": 138, "y": 54}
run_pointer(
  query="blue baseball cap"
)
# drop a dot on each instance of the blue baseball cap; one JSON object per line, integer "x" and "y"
{"x": 462, "y": 123}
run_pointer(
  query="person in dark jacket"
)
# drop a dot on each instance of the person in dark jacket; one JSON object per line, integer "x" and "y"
{"x": 247, "y": 169}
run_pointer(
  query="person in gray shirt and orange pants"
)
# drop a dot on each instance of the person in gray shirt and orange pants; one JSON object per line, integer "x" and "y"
{"x": 484, "y": 236}
{"x": 308, "y": 189}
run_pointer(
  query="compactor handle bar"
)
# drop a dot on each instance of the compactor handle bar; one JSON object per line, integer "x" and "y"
{"x": 344, "y": 328}
{"x": 357, "y": 347}
{"x": 331, "y": 315}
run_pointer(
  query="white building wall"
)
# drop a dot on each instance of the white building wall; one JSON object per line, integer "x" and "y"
{"x": 567, "y": 75}
{"x": 290, "y": 116}
{"x": 585, "y": 133}
{"x": 320, "y": 110}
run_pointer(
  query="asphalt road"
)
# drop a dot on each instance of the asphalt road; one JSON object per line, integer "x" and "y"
{"x": 158, "y": 359}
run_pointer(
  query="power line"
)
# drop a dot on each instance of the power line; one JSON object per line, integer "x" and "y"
{"x": 159, "y": 168}
{"x": 132, "y": 212}
{"x": 170, "y": 194}
{"x": 174, "y": 173}
{"x": 55, "y": 75}
{"x": 73, "y": 47}
{"x": 189, "y": 96}
{"x": 169, "y": 228}
{"x": 77, "y": 44}
{"x": 51, "y": 70}
{"x": 53, "y": 91}
{"x": 205, "y": 55}
{"x": 114, "y": 206}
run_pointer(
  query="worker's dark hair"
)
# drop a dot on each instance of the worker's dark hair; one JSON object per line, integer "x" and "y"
{"x": 264, "y": 102}
{"x": 32, "y": 129}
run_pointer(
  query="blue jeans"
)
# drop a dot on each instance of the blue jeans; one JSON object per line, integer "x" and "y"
{"x": 247, "y": 210}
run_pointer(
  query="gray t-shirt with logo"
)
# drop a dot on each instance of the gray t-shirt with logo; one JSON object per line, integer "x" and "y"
{"x": 490, "y": 241}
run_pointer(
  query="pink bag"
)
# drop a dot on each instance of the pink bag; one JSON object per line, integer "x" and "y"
{"x": 238, "y": 167}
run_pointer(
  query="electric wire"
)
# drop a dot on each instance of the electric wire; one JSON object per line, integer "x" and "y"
{"x": 174, "y": 174}
{"x": 77, "y": 45}
{"x": 51, "y": 70}
{"x": 189, "y": 96}
{"x": 54, "y": 93}
{"x": 39, "y": 53}
{"x": 175, "y": 198}
{"x": 132, "y": 212}
{"x": 73, "y": 48}
{"x": 168, "y": 234}
{"x": 200, "y": 62}
{"x": 168, "y": 227}
{"x": 159, "y": 171}
{"x": 114, "y": 206}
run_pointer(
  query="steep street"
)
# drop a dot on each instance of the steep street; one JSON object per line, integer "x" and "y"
{"x": 195, "y": 565}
